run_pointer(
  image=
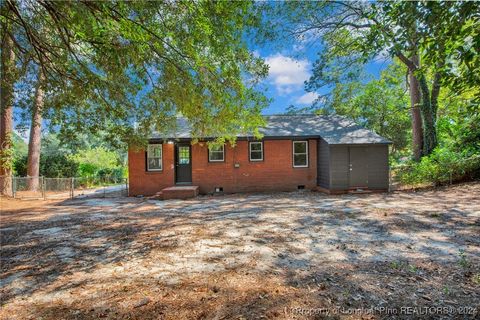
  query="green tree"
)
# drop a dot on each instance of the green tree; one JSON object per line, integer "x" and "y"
{"x": 123, "y": 62}
{"x": 9, "y": 75}
{"x": 20, "y": 148}
{"x": 379, "y": 104}
{"x": 131, "y": 67}
{"x": 56, "y": 165}
{"x": 90, "y": 161}
{"x": 418, "y": 33}
{"x": 459, "y": 122}
{"x": 452, "y": 39}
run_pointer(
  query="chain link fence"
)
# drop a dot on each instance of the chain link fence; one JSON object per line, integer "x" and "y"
{"x": 63, "y": 188}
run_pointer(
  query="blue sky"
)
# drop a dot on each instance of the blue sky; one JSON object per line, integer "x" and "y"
{"x": 289, "y": 69}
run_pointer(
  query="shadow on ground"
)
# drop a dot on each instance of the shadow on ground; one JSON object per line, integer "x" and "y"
{"x": 254, "y": 256}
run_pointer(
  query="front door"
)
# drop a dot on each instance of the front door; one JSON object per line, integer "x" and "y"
{"x": 358, "y": 167}
{"x": 183, "y": 163}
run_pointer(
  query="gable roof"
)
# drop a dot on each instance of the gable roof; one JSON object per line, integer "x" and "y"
{"x": 333, "y": 129}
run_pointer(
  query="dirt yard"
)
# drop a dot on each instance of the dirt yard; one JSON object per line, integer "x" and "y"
{"x": 284, "y": 255}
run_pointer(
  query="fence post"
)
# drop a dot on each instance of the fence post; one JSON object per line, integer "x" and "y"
{"x": 14, "y": 185}
{"x": 126, "y": 186}
{"x": 72, "y": 187}
{"x": 43, "y": 188}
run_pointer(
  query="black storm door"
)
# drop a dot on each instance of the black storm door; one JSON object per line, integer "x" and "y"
{"x": 183, "y": 163}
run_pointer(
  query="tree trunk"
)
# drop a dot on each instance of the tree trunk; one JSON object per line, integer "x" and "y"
{"x": 415, "y": 101}
{"x": 429, "y": 118}
{"x": 6, "y": 113}
{"x": 435, "y": 93}
{"x": 34, "y": 145}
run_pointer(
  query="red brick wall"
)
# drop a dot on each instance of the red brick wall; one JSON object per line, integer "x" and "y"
{"x": 275, "y": 173}
{"x": 141, "y": 182}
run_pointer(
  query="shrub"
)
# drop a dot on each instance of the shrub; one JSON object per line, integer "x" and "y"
{"x": 95, "y": 165}
{"x": 98, "y": 157}
{"x": 442, "y": 166}
{"x": 20, "y": 166}
{"x": 57, "y": 166}
{"x": 87, "y": 169}
{"x": 113, "y": 173}
{"x": 51, "y": 166}
{"x": 99, "y": 163}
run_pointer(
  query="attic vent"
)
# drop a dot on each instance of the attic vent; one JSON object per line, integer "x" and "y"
{"x": 301, "y": 187}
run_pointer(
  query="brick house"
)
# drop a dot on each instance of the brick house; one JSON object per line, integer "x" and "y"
{"x": 326, "y": 153}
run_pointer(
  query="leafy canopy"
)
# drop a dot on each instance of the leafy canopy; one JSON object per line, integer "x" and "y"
{"x": 380, "y": 104}
{"x": 131, "y": 67}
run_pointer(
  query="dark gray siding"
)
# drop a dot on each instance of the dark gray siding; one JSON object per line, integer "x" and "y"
{"x": 339, "y": 167}
{"x": 378, "y": 167}
{"x": 323, "y": 166}
{"x": 377, "y": 164}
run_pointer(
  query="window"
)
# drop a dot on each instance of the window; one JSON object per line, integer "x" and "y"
{"x": 183, "y": 155}
{"x": 300, "y": 153}
{"x": 154, "y": 157}
{"x": 256, "y": 151}
{"x": 216, "y": 154}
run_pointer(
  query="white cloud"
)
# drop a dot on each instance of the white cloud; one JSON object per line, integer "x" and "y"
{"x": 256, "y": 53}
{"x": 307, "y": 98}
{"x": 287, "y": 74}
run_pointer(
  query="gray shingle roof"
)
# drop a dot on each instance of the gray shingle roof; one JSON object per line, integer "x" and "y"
{"x": 332, "y": 128}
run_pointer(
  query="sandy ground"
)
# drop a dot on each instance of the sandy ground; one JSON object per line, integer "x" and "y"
{"x": 284, "y": 255}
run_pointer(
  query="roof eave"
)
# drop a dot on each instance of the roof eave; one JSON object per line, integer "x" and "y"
{"x": 296, "y": 137}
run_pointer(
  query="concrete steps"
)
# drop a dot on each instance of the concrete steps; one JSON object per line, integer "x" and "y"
{"x": 177, "y": 192}
{"x": 157, "y": 196}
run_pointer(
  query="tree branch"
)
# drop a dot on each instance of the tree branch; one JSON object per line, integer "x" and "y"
{"x": 406, "y": 61}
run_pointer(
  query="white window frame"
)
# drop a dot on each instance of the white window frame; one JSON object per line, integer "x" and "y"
{"x": 161, "y": 157}
{"x": 215, "y": 160}
{"x": 306, "y": 153}
{"x": 250, "y": 150}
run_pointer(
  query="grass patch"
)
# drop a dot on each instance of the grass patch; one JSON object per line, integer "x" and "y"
{"x": 404, "y": 266}
{"x": 463, "y": 261}
{"x": 476, "y": 279}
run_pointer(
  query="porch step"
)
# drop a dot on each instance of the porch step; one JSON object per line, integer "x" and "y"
{"x": 179, "y": 192}
{"x": 157, "y": 196}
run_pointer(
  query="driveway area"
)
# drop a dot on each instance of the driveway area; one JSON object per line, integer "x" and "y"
{"x": 246, "y": 256}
